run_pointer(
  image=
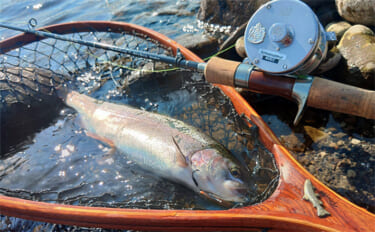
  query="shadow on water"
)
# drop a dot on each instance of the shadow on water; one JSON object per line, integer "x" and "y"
{"x": 19, "y": 122}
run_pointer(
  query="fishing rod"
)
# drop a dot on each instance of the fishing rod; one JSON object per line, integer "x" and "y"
{"x": 281, "y": 54}
{"x": 178, "y": 61}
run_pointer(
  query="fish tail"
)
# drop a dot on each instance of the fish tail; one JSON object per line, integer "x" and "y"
{"x": 70, "y": 97}
{"x": 82, "y": 103}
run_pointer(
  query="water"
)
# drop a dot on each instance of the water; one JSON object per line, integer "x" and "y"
{"x": 171, "y": 18}
{"x": 61, "y": 164}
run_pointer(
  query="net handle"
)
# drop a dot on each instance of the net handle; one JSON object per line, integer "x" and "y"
{"x": 284, "y": 209}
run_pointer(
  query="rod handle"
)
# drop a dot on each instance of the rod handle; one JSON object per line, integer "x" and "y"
{"x": 338, "y": 97}
{"x": 221, "y": 71}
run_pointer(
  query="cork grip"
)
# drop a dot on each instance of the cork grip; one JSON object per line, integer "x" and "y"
{"x": 220, "y": 71}
{"x": 334, "y": 96}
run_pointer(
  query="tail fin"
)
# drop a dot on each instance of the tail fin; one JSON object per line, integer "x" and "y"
{"x": 66, "y": 94}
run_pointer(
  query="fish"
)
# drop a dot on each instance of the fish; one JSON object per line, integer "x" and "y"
{"x": 165, "y": 146}
{"x": 309, "y": 195}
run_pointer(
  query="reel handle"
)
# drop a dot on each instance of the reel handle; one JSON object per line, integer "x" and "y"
{"x": 316, "y": 92}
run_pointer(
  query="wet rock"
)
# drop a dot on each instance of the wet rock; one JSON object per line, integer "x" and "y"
{"x": 357, "y": 46}
{"x": 226, "y": 12}
{"x": 357, "y": 11}
{"x": 201, "y": 44}
{"x": 339, "y": 28}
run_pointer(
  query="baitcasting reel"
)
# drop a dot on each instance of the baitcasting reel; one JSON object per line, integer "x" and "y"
{"x": 285, "y": 37}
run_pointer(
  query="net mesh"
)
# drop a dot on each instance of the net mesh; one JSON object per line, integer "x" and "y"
{"x": 60, "y": 60}
{"x": 29, "y": 76}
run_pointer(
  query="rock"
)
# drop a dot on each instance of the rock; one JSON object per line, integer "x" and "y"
{"x": 357, "y": 47}
{"x": 232, "y": 54}
{"x": 343, "y": 183}
{"x": 317, "y": 3}
{"x": 293, "y": 142}
{"x": 240, "y": 47}
{"x": 339, "y": 28}
{"x": 325, "y": 10}
{"x": 226, "y": 12}
{"x": 355, "y": 141}
{"x": 333, "y": 145}
{"x": 357, "y": 11}
{"x": 315, "y": 134}
{"x": 201, "y": 44}
{"x": 351, "y": 173}
{"x": 331, "y": 60}
{"x": 323, "y": 154}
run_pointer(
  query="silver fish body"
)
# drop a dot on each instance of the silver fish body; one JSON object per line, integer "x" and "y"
{"x": 166, "y": 146}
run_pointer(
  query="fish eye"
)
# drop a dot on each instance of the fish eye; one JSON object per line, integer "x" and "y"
{"x": 235, "y": 172}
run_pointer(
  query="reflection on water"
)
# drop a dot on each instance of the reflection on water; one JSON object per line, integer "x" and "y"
{"x": 64, "y": 165}
{"x": 169, "y": 17}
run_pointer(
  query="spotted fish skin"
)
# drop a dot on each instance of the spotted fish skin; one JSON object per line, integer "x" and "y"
{"x": 165, "y": 146}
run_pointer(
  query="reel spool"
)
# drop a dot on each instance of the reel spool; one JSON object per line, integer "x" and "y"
{"x": 286, "y": 37}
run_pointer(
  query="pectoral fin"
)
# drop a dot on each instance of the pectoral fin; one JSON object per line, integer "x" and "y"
{"x": 180, "y": 157}
{"x": 103, "y": 139}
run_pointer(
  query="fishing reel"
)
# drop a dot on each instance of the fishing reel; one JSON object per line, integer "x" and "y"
{"x": 285, "y": 37}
